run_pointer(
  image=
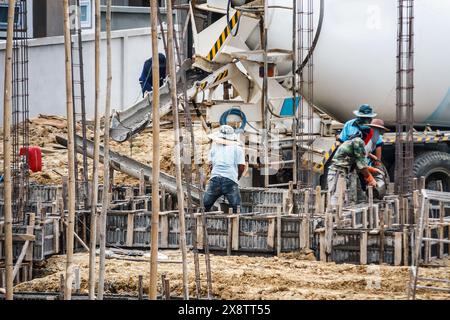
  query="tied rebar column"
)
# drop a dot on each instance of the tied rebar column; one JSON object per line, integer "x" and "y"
{"x": 20, "y": 114}
{"x": 404, "y": 145}
{"x": 305, "y": 36}
{"x": 79, "y": 100}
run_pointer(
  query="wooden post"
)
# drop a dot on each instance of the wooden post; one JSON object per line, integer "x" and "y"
{"x": 141, "y": 182}
{"x": 71, "y": 155}
{"x": 278, "y": 224}
{"x": 405, "y": 247}
{"x": 180, "y": 193}
{"x": 440, "y": 187}
{"x": 7, "y": 191}
{"x": 381, "y": 224}
{"x": 140, "y": 288}
{"x": 94, "y": 190}
{"x": 230, "y": 232}
{"x": 364, "y": 218}
{"x": 371, "y": 217}
{"x": 30, "y": 231}
{"x": 398, "y": 248}
{"x": 318, "y": 200}
{"x": 342, "y": 187}
{"x": 155, "y": 159}
{"x": 130, "y": 229}
{"x": 106, "y": 164}
{"x": 363, "y": 248}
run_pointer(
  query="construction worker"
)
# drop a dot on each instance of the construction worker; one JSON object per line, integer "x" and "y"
{"x": 228, "y": 164}
{"x": 146, "y": 78}
{"x": 364, "y": 116}
{"x": 374, "y": 142}
{"x": 349, "y": 156}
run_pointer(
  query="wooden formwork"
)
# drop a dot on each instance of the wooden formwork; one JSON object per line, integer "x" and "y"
{"x": 363, "y": 247}
{"x": 131, "y": 228}
{"x": 24, "y": 274}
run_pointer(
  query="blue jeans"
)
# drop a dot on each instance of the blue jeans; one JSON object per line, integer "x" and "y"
{"x": 220, "y": 186}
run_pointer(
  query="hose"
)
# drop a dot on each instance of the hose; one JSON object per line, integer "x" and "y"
{"x": 228, "y": 21}
{"x": 235, "y": 112}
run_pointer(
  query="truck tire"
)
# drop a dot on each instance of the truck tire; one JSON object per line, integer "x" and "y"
{"x": 434, "y": 166}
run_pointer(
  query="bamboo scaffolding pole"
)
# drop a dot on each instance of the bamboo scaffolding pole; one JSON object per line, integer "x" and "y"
{"x": 7, "y": 194}
{"x": 106, "y": 165}
{"x": 187, "y": 166}
{"x": 71, "y": 156}
{"x": 155, "y": 161}
{"x": 180, "y": 193}
{"x": 94, "y": 191}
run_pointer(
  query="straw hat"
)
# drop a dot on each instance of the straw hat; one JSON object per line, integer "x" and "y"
{"x": 378, "y": 123}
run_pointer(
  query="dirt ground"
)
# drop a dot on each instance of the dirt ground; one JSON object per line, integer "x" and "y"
{"x": 243, "y": 277}
{"x": 44, "y": 129}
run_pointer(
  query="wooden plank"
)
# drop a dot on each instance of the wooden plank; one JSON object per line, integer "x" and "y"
{"x": 322, "y": 248}
{"x": 364, "y": 218}
{"x": 130, "y": 230}
{"x": 235, "y": 232}
{"x": 164, "y": 230}
{"x": 200, "y": 235}
{"x": 381, "y": 225}
{"x": 342, "y": 189}
{"x": 398, "y": 248}
{"x": 20, "y": 237}
{"x": 141, "y": 182}
{"x": 328, "y": 232}
{"x": 353, "y": 212}
{"x": 363, "y": 248}
{"x": 376, "y": 215}
{"x": 229, "y": 236}
{"x": 318, "y": 200}
{"x": 371, "y": 216}
{"x": 30, "y": 230}
{"x": 278, "y": 227}
{"x": 271, "y": 234}
{"x": 405, "y": 247}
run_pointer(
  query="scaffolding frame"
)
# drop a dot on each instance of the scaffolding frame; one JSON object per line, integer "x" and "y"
{"x": 404, "y": 143}
{"x": 20, "y": 114}
{"x": 305, "y": 85}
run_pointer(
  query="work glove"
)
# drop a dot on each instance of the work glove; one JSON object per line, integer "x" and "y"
{"x": 373, "y": 170}
{"x": 370, "y": 180}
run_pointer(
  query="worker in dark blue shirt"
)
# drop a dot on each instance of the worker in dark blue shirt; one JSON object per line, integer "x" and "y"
{"x": 146, "y": 78}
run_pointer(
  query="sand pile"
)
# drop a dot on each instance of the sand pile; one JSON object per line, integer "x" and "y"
{"x": 44, "y": 129}
{"x": 244, "y": 277}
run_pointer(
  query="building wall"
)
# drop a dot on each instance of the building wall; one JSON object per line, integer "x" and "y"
{"x": 47, "y": 77}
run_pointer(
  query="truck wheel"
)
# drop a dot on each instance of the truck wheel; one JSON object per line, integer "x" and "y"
{"x": 434, "y": 166}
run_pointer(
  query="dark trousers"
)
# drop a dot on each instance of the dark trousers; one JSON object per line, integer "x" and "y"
{"x": 220, "y": 186}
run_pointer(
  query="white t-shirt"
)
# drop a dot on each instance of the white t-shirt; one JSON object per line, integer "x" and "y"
{"x": 225, "y": 160}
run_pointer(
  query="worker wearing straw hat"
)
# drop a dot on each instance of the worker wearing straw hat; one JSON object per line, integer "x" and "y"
{"x": 228, "y": 164}
{"x": 375, "y": 143}
{"x": 351, "y": 155}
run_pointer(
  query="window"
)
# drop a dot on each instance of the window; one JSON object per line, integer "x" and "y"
{"x": 4, "y": 16}
{"x": 86, "y": 14}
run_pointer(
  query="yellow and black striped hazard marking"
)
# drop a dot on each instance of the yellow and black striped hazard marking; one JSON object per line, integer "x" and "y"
{"x": 221, "y": 76}
{"x": 223, "y": 36}
{"x": 203, "y": 85}
{"x": 434, "y": 139}
{"x": 218, "y": 78}
{"x": 326, "y": 157}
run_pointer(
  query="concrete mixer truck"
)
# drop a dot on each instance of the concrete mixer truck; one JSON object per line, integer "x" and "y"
{"x": 354, "y": 51}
